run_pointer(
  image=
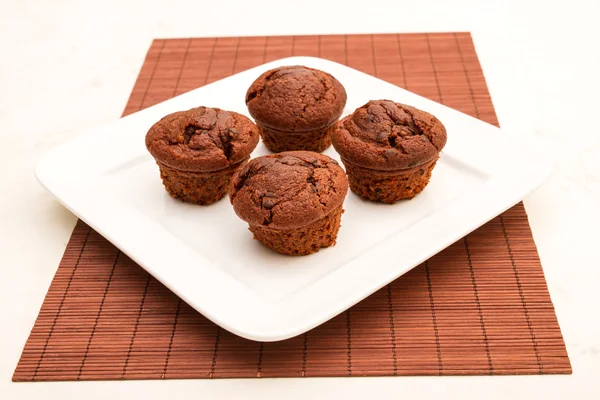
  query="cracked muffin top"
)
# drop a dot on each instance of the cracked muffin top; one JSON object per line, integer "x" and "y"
{"x": 202, "y": 139}
{"x": 288, "y": 190}
{"x": 384, "y": 135}
{"x": 296, "y": 99}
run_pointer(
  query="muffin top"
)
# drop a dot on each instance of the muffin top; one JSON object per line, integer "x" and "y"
{"x": 288, "y": 190}
{"x": 384, "y": 135}
{"x": 202, "y": 139}
{"x": 296, "y": 99}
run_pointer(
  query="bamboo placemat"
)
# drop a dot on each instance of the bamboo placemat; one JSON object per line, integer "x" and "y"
{"x": 479, "y": 307}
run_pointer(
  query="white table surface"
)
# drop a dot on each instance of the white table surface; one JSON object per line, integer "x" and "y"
{"x": 69, "y": 64}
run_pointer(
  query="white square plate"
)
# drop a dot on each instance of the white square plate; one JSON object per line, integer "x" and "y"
{"x": 207, "y": 256}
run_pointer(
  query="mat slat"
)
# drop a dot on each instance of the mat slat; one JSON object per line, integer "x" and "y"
{"x": 479, "y": 307}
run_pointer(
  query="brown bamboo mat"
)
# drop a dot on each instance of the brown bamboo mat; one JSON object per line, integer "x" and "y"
{"x": 479, "y": 307}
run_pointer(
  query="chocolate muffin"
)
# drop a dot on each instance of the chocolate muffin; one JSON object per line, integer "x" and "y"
{"x": 198, "y": 151}
{"x": 296, "y": 108}
{"x": 292, "y": 201}
{"x": 389, "y": 149}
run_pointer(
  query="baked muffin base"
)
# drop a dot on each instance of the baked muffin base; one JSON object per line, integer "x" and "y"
{"x": 278, "y": 141}
{"x": 198, "y": 187}
{"x": 388, "y": 186}
{"x": 304, "y": 240}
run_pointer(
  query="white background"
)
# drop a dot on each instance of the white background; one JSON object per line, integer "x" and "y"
{"x": 66, "y": 65}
